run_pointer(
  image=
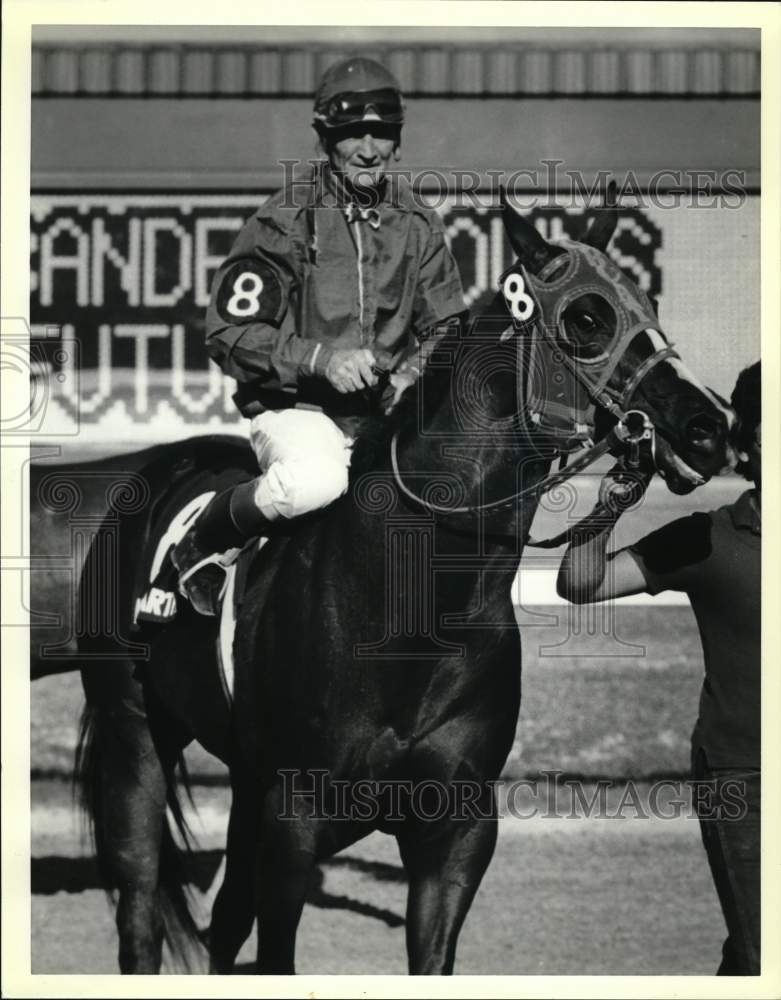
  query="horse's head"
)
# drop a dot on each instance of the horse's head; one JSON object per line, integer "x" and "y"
{"x": 596, "y": 352}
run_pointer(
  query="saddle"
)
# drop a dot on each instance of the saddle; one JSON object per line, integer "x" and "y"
{"x": 181, "y": 491}
{"x": 156, "y": 596}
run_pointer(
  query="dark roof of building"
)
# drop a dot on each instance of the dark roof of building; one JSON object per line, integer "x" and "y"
{"x": 424, "y": 70}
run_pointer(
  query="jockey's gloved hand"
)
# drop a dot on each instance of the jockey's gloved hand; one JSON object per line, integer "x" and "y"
{"x": 350, "y": 370}
{"x": 623, "y": 488}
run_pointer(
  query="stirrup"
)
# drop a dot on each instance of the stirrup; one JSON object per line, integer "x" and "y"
{"x": 222, "y": 559}
{"x": 205, "y": 596}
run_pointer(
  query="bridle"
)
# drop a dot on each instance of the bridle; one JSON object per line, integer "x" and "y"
{"x": 537, "y": 321}
{"x": 634, "y": 432}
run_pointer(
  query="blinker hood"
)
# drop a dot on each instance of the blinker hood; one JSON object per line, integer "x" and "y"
{"x": 561, "y": 391}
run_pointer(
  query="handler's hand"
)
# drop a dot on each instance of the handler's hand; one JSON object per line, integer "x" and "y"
{"x": 351, "y": 370}
{"x": 622, "y": 488}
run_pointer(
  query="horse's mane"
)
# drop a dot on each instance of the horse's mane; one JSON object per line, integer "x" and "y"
{"x": 371, "y": 447}
{"x": 375, "y": 435}
{"x": 373, "y": 442}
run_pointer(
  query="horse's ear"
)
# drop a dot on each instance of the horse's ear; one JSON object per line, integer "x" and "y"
{"x": 600, "y": 232}
{"x": 531, "y": 249}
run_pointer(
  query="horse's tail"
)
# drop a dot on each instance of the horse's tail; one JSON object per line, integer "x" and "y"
{"x": 97, "y": 751}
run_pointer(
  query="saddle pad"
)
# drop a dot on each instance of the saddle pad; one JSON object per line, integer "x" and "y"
{"x": 156, "y": 598}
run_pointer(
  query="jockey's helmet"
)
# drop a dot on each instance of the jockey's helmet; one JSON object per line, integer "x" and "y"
{"x": 356, "y": 90}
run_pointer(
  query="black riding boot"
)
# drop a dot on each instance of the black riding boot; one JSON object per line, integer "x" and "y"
{"x": 202, "y": 556}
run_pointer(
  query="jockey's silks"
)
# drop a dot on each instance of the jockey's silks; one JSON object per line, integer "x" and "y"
{"x": 307, "y": 275}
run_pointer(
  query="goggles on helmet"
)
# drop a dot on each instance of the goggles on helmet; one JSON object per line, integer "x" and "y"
{"x": 383, "y": 105}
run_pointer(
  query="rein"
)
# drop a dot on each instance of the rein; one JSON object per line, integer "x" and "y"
{"x": 632, "y": 432}
{"x": 622, "y": 435}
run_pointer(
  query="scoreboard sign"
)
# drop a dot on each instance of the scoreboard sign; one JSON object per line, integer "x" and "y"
{"x": 120, "y": 286}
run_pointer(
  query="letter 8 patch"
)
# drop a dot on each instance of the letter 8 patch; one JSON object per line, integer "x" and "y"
{"x": 250, "y": 292}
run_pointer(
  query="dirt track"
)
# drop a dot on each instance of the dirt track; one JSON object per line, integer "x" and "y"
{"x": 561, "y": 896}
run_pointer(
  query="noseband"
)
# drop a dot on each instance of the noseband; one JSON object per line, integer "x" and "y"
{"x": 554, "y": 399}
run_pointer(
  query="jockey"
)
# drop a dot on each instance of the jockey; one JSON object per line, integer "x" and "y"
{"x": 339, "y": 275}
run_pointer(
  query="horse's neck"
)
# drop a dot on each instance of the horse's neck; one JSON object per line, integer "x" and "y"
{"x": 475, "y": 465}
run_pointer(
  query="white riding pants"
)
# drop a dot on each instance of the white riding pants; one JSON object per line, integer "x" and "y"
{"x": 304, "y": 460}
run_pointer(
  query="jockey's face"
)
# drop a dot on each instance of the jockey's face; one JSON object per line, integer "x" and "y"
{"x": 361, "y": 153}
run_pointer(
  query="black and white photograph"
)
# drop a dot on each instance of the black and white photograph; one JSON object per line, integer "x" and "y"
{"x": 384, "y": 584}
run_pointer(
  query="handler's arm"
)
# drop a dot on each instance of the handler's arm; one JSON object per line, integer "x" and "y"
{"x": 588, "y": 574}
{"x": 674, "y": 557}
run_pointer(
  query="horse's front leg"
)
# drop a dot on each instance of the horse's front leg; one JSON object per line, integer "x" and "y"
{"x": 445, "y": 868}
{"x": 285, "y": 867}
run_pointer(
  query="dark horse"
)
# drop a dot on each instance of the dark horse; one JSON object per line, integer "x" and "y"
{"x": 377, "y": 657}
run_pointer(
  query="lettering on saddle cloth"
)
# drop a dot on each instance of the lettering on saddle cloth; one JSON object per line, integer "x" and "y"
{"x": 155, "y": 605}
